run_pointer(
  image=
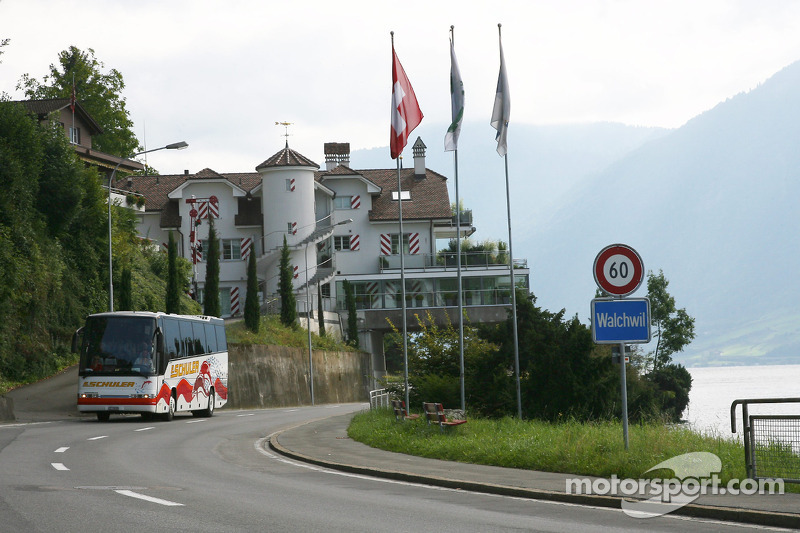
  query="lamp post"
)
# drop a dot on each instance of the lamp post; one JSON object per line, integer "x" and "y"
{"x": 174, "y": 146}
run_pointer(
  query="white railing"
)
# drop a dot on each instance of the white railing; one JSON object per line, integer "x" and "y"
{"x": 378, "y": 398}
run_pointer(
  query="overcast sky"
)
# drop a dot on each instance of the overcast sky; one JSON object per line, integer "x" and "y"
{"x": 219, "y": 74}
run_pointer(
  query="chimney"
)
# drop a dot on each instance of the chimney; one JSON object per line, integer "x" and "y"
{"x": 186, "y": 172}
{"x": 336, "y": 154}
{"x": 419, "y": 157}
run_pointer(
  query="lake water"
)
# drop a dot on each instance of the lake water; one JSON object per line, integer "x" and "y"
{"x": 715, "y": 388}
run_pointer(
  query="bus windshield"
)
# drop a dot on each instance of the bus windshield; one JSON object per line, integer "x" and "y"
{"x": 118, "y": 344}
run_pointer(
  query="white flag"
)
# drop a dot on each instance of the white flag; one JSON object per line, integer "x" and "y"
{"x": 502, "y": 107}
{"x": 456, "y": 103}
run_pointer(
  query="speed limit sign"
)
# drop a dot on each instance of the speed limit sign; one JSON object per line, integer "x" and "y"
{"x": 618, "y": 270}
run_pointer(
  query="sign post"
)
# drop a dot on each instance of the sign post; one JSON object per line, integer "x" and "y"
{"x": 618, "y": 270}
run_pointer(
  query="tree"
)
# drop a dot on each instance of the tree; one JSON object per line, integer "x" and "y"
{"x": 252, "y": 310}
{"x": 286, "y": 289}
{"x": 173, "y": 297}
{"x": 674, "y": 327}
{"x": 100, "y": 93}
{"x": 53, "y": 253}
{"x": 321, "y": 313}
{"x": 211, "y": 303}
{"x": 352, "y": 321}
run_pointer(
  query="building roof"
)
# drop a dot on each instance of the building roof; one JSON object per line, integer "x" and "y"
{"x": 156, "y": 189}
{"x": 429, "y": 196}
{"x": 287, "y": 158}
{"x": 42, "y": 108}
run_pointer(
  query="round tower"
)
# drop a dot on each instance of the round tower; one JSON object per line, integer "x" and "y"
{"x": 287, "y": 184}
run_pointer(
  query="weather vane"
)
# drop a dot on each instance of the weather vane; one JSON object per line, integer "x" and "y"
{"x": 286, "y": 131}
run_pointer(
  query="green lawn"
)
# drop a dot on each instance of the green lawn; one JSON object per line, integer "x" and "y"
{"x": 591, "y": 449}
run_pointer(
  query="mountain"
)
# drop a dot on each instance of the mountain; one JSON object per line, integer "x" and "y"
{"x": 712, "y": 204}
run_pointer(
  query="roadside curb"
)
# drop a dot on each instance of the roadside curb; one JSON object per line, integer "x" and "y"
{"x": 740, "y": 515}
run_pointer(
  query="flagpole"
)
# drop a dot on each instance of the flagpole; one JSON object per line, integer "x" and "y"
{"x": 402, "y": 271}
{"x": 403, "y": 282}
{"x": 513, "y": 292}
{"x": 458, "y": 261}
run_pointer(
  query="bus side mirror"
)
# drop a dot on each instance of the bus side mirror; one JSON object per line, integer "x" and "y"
{"x": 77, "y": 337}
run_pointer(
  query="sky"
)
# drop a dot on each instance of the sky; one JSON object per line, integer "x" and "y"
{"x": 220, "y": 74}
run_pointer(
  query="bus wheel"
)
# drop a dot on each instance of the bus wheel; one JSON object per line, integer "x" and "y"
{"x": 209, "y": 411}
{"x": 103, "y": 417}
{"x": 170, "y": 414}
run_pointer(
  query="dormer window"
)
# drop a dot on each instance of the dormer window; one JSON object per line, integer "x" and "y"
{"x": 74, "y": 135}
{"x": 404, "y": 195}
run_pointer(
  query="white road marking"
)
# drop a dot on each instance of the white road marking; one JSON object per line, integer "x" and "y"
{"x": 62, "y": 449}
{"x": 248, "y": 414}
{"x": 195, "y": 421}
{"x": 148, "y": 498}
{"x": 145, "y": 429}
{"x": 59, "y": 466}
{"x": 98, "y": 438}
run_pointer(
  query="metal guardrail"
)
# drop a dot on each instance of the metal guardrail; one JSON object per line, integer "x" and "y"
{"x": 771, "y": 442}
{"x": 379, "y": 398}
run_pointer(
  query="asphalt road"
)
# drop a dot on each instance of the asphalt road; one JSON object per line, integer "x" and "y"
{"x": 65, "y": 472}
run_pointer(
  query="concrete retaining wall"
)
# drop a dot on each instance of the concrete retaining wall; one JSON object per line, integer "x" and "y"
{"x": 277, "y": 376}
{"x": 6, "y": 408}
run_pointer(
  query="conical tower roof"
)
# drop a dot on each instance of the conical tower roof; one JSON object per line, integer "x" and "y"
{"x": 287, "y": 158}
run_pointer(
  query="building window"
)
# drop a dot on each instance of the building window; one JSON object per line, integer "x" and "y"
{"x": 406, "y": 195}
{"x": 230, "y": 249}
{"x": 289, "y": 227}
{"x": 290, "y": 185}
{"x": 342, "y": 202}
{"x": 396, "y": 243}
{"x": 74, "y": 135}
{"x": 341, "y": 243}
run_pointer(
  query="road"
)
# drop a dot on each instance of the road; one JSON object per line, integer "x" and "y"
{"x": 73, "y": 473}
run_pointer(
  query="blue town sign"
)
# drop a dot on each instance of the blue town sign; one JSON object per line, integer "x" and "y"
{"x": 621, "y": 321}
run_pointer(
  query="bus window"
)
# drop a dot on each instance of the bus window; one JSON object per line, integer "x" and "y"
{"x": 199, "y": 338}
{"x": 211, "y": 338}
{"x": 222, "y": 341}
{"x": 188, "y": 338}
{"x": 172, "y": 339}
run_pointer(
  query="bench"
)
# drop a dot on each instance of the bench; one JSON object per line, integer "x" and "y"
{"x": 434, "y": 413}
{"x": 400, "y": 412}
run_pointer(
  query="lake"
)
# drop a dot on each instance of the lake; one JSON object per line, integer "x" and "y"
{"x": 715, "y": 388}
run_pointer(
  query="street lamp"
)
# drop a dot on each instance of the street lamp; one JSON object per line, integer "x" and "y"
{"x": 174, "y": 146}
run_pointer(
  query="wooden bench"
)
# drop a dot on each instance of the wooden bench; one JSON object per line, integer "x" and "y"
{"x": 400, "y": 412}
{"x": 434, "y": 413}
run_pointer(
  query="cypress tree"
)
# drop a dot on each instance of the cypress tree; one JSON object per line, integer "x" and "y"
{"x": 211, "y": 303}
{"x": 352, "y": 324}
{"x": 126, "y": 294}
{"x": 173, "y": 297}
{"x": 285, "y": 289}
{"x": 320, "y": 314}
{"x": 252, "y": 314}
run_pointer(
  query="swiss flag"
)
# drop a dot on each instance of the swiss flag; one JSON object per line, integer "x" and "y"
{"x": 406, "y": 114}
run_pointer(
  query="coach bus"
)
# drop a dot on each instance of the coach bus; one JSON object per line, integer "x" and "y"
{"x": 155, "y": 364}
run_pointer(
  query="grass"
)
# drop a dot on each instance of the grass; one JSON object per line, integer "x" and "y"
{"x": 272, "y": 332}
{"x": 572, "y": 447}
{"x": 60, "y": 363}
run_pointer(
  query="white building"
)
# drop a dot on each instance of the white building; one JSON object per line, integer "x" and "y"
{"x": 340, "y": 224}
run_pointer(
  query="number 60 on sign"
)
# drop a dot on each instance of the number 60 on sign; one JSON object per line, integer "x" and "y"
{"x": 618, "y": 270}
